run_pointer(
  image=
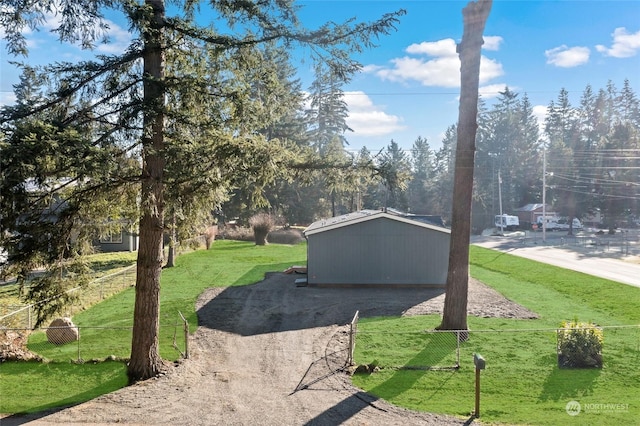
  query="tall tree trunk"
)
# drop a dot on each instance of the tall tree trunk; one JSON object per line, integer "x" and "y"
{"x": 171, "y": 253}
{"x": 454, "y": 315}
{"x": 145, "y": 356}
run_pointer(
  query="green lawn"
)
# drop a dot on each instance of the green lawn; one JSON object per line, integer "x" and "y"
{"x": 522, "y": 383}
{"x": 105, "y": 327}
{"x": 26, "y": 387}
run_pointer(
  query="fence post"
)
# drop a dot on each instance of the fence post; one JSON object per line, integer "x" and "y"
{"x": 353, "y": 326}
{"x": 79, "y": 357}
{"x": 457, "y": 348}
{"x": 185, "y": 325}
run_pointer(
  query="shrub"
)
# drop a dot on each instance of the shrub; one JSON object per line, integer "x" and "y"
{"x": 261, "y": 223}
{"x": 580, "y": 345}
{"x": 210, "y": 235}
{"x": 286, "y": 236}
{"x": 236, "y": 233}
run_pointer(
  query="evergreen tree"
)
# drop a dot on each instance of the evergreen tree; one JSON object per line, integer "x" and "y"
{"x": 422, "y": 177}
{"x": 561, "y": 131}
{"x": 328, "y": 110}
{"x": 444, "y": 172}
{"x": 133, "y": 122}
{"x": 394, "y": 171}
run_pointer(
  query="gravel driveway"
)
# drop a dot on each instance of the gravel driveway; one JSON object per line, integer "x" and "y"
{"x": 272, "y": 354}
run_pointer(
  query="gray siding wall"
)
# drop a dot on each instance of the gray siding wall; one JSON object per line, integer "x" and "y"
{"x": 378, "y": 251}
{"x": 129, "y": 243}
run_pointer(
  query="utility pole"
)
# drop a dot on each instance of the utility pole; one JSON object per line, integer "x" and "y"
{"x": 544, "y": 193}
{"x": 500, "y": 203}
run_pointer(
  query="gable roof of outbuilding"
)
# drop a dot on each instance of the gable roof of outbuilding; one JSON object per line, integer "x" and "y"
{"x": 363, "y": 216}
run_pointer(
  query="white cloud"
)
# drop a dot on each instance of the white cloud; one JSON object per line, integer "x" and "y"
{"x": 442, "y": 70}
{"x": 493, "y": 90}
{"x": 445, "y": 47}
{"x": 119, "y": 39}
{"x": 489, "y": 69}
{"x": 368, "y": 119}
{"x": 567, "y": 57}
{"x": 7, "y": 98}
{"x": 624, "y": 44}
{"x": 371, "y": 68}
{"x": 492, "y": 42}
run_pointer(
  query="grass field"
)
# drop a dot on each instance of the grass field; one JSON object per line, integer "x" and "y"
{"x": 522, "y": 383}
{"x": 105, "y": 327}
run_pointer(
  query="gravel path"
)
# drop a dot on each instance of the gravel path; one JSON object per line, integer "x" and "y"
{"x": 272, "y": 354}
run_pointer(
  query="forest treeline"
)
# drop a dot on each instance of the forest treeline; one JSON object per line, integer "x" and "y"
{"x": 592, "y": 152}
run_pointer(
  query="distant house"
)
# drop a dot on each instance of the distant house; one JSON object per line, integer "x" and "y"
{"x": 528, "y": 214}
{"x": 122, "y": 240}
{"x": 431, "y": 219}
{"x": 375, "y": 248}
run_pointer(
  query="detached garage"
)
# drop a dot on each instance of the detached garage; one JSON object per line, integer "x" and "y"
{"x": 372, "y": 248}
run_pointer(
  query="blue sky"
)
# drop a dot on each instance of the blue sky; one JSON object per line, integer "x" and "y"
{"x": 410, "y": 83}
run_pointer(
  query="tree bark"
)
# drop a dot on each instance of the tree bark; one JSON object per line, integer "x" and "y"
{"x": 145, "y": 356}
{"x": 454, "y": 315}
{"x": 173, "y": 243}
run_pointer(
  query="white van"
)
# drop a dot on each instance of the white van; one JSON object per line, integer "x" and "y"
{"x": 554, "y": 223}
{"x": 563, "y": 224}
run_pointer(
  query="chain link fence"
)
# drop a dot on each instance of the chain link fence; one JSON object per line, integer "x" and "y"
{"x": 435, "y": 349}
{"x": 424, "y": 350}
{"x": 625, "y": 243}
{"x": 23, "y": 316}
{"x": 88, "y": 343}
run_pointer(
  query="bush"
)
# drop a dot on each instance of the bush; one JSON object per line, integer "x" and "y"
{"x": 236, "y": 233}
{"x": 261, "y": 223}
{"x": 210, "y": 235}
{"x": 580, "y": 345}
{"x": 286, "y": 236}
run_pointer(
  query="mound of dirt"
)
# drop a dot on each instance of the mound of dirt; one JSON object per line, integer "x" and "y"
{"x": 13, "y": 347}
{"x": 273, "y": 354}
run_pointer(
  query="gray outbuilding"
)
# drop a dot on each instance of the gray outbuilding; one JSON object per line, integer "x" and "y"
{"x": 376, "y": 248}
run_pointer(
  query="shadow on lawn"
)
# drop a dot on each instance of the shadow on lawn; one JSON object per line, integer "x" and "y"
{"x": 432, "y": 355}
{"x": 276, "y": 304}
{"x": 41, "y": 413}
{"x": 568, "y": 383}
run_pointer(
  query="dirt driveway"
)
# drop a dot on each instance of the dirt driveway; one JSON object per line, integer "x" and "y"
{"x": 271, "y": 354}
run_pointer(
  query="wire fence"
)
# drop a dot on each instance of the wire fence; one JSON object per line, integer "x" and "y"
{"x": 624, "y": 243}
{"x": 523, "y": 348}
{"x": 525, "y": 374}
{"x": 89, "y": 343}
{"x": 23, "y": 316}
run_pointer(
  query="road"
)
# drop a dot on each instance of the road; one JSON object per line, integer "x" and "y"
{"x": 613, "y": 263}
